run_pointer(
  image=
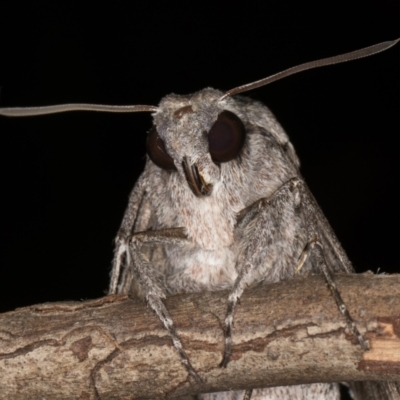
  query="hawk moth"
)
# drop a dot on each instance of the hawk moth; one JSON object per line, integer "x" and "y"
{"x": 221, "y": 205}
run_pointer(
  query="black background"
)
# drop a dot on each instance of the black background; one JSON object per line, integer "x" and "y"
{"x": 65, "y": 178}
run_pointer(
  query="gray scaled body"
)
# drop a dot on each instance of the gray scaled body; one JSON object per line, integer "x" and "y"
{"x": 244, "y": 221}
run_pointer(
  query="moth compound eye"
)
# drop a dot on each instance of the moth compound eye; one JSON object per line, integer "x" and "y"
{"x": 226, "y": 137}
{"x": 157, "y": 152}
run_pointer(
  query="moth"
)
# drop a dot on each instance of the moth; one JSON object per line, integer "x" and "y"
{"x": 221, "y": 204}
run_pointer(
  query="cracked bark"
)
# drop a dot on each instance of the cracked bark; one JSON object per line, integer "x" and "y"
{"x": 285, "y": 333}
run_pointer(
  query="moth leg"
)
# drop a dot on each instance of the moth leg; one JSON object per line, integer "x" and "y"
{"x": 153, "y": 289}
{"x": 289, "y": 208}
{"x": 315, "y": 245}
{"x": 305, "y": 254}
{"x": 338, "y": 298}
{"x": 313, "y": 215}
{"x": 129, "y": 261}
{"x": 267, "y": 215}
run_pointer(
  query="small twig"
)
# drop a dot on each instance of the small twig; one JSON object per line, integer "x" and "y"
{"x": 285, "y": 333}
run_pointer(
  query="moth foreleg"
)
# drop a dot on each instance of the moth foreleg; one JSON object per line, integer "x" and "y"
{"x": 153, "y": 287}
{"x": 279, "y": 234}
{"x": 269, "y": 253}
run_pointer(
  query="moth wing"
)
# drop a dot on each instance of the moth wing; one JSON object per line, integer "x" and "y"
{"x": 139, "y": 217}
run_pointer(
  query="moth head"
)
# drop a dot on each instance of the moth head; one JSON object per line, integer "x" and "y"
{"x": 193, "y": 135}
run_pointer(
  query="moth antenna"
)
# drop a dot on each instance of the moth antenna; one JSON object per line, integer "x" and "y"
{"x": 33, "y": 111}
{"x": 353, "y": 55}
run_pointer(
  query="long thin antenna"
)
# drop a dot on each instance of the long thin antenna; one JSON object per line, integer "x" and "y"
{"x": 32, "y": 111}
{"x": 353, "y": 55}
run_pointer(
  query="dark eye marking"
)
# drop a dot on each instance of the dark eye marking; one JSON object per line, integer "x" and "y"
{"x": 157, "y": 152}
{"x": 226, "y": 137}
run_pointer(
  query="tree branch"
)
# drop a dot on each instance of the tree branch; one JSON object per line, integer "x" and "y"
{"x": 285, "y": 333}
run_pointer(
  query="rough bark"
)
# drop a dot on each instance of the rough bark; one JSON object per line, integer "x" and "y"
{"x": 285, "y": 333}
